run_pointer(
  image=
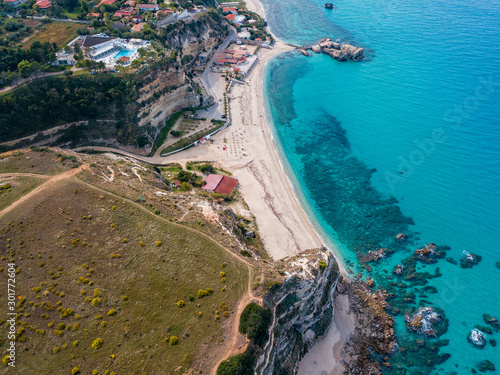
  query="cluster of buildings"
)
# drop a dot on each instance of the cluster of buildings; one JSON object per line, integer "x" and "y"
{"x": 241, "y": 60}
{"x": 101, "y": 47}
{"x": 16, "y": 4}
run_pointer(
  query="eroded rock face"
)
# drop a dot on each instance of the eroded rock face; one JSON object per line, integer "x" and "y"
{"x": 302, "y": 310}
{"x": 351, "y": 52}
{"x": 339, "y": 52}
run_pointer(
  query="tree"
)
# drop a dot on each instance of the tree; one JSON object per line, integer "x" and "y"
{"x": 101, "y": 65}
{"x": 35, "y": 68}
{"x": 68, "y": 73}
{"x": 24, "y": 68}
{"x": 185, "y": 186}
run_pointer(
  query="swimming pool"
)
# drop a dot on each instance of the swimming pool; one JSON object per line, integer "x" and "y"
{"x": 125, "y": 52}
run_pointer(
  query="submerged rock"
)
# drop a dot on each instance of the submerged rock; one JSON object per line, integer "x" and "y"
{"x": 477, "y": 338}
{"x": 492, "y": 321}
{"x": 401, "y": 237}
{"x": 428, "y": 251}
{"x": 485, "y": 365}
{"x": 376, "y": 255}
{"x": 469, "y": 260}
{"x": 398, "y": 270}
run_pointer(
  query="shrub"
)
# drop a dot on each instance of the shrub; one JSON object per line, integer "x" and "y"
{"x": 322, "y": 264}
{"x": 112, "y": 311}
{"x": 222, "y": 274}
{"x": 254, "y": 321}
{"x": 124, "y": 240}
{"x": 75, "y": 370}
{"x": 55, "y": 350}
{"x": 97, "y": 292}
{"x": 158, "y": 243}
{"x": 180, "y": 303}
{"x": 104, "y": 323}
{"x": 204, "y": 293}
{"x": 223, "y": 279}
{"x": 241, "y": 364}
{"x": 97, "y": 343}
{"x": 142, "y": 244}
{"x": 75, "y": 343}
{"x": 191, "y": 298}
{"x": 96, "y": 301}
{"x": 125, "y": 298}
{"x": 173, "y": 340}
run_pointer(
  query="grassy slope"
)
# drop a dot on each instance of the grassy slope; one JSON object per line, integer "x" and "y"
{"x": 55, "y": 32}
{"x": 153, "y": 277}
{"x": 19, "y": 186}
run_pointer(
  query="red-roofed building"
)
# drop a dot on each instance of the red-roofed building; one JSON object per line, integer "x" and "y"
{"x": 230, "y": 17}
{"x": 43, "y": 4}
{"x": 227, "y": 10}
{"x": 220, "y": 184}
{"x": 125, "y": 12}
{"x": 177, "y": 183}
{"x": 96, "y": 15}
{"x": 107, "y": 2}
{"x": 130, "y": 3}
{"x": 137, "y": 18}
{"x": 211, "y": 182}
{"x": 137, "y": 28}
{"x": 146, "y": 7}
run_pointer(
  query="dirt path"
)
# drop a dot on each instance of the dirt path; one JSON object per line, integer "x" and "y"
{"x": 237, "y": 344}
{"x": 51, "y": 180}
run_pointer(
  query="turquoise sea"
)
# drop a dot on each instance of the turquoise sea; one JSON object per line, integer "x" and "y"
{"x": 407, "y": 141}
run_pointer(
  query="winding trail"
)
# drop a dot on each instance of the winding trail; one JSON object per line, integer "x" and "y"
{"x": 51, "y": 180}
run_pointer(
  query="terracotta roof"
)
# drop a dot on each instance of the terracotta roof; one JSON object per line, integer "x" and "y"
{"x": 212, "y": 181}
{"x": 124, "y": 58}
{"x": 177, "y": 183}
{"x": 227, "y": 185}
{"x": 230, "y": 17}
{"x": 148, "y": 6}
{"x": 43, "y": 4}
{"x": 107, "y": 2}
{"x": 138, "y": 27}
{"x": 94, "y": 15}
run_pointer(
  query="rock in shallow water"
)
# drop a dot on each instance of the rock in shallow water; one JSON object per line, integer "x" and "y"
{"x": 469, "y": 260}
{"x": 477, "y": 338}
{"x": 485, "y": 365}
{"x": 492, "y": 321}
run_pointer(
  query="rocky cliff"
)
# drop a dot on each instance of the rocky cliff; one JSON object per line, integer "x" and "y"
{"x": 302, "y": 310}
{"x": 196, "y": 35}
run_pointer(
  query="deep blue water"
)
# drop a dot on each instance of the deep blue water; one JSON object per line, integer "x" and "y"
{"x": 423, "y": 110}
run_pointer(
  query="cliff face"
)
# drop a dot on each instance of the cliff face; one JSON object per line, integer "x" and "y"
{"x": 202, "y": 33}
{"x": 302, "y": 310}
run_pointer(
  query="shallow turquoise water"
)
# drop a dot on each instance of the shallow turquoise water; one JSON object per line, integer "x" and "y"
{"x": 425, "y": 102}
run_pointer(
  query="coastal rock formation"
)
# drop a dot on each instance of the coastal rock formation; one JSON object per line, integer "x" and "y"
{"x": 302, "y": 310}
{"x": 374, "y": 330}
{"x": 340, "y": 52}
{"x": 469, "y": 260}
{"x": 425, "y": 322}
{"x": 485, "y": 365}
{"x": 376, "y": 255}
{"x": 477, "y": 338}
{"x": 351, "y": 52}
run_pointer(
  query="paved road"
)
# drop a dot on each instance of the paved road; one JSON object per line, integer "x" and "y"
{"x": 209, "y": 80}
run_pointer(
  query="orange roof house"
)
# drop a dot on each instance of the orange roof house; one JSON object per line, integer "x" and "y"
{"x": 137, "y": 28}
{"x": 220, "y": 184}
{"x": 107, "y": 2}
{"x": 230, "y": 17}
{"x": 43, "y": 4}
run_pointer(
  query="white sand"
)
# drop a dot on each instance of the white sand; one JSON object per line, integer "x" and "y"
{"x": 324, "y": 357}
